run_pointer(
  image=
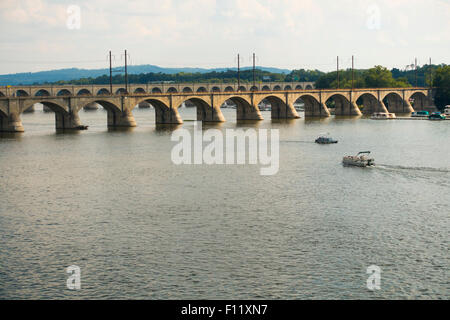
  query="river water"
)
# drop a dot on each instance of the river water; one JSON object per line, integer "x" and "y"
{"x": 140, "y": 227}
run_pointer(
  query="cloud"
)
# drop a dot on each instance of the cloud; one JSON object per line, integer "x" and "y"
{"x": 207, "y": 33}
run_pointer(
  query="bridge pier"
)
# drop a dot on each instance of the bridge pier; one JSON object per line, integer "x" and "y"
{"x": 316, "y": 109}
{"x": 67, "y": 120}
{"x": 397, "y": 105}
{"x": 121, "y": 118}
{"x": 244, "y": 112}
{"x": 281, "y": 110}
{"x": 208, "y": 114}
{"x": 346, "y": 108}
{"x": 11, "y": 123}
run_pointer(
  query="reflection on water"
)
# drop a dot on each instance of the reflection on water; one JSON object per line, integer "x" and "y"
{"x": 138, "y": 226}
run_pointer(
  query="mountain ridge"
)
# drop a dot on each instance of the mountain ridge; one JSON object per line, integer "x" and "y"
{"x": 67, "y": 74}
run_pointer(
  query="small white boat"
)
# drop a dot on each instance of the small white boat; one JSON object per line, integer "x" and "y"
{"x": 447, "y": 111}
{"x": 383, "y": 116}
{"x": 360, "y": 160}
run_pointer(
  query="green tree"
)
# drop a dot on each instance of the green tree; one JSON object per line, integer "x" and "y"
{"x": 441, "y": 82}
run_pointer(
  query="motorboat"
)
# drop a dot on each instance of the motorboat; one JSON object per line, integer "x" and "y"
{"x": 447, "y": 111}
{"x": 420, "y": 114}
{"x": 383, "y": 116}
{"x": 325, "y": 139}
{"x": 436, "y": 116}
{"x": 360, "y": 160}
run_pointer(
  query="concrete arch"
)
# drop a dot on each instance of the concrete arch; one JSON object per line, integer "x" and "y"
{"x": 396, "y": 104}
{"x": 254, "y": 88}
{"x": 21, "y": 93}
{"x": 202, "y": 89}
{"x": 2, "y": 94}
{"x": 265, "y": 88}
{"x": 277, "y": 88}
{"x": 42, "y": 93}
{"x": 172, "y": 90}
{"x": 299, "y": 87}
{"x": 342, "y": 105}
{"x": 245, "y": 110}
{"x": 369, "y": 103}
{"x": 280, "y": 110}
{"x": 64, "y": 92}
{"x": 313, "y": 107}
{"x": 187, "y": 90}
{"x": 229, "y": 89}
{"x": 156, "y": 90}
{"x": 242, "y": 88}
{"x": 121, "y": 91}
{"x": 139, "y": 90}
{"x": 215, "y": 89}
{"x": 288, "y": 87}
{"x": 163, "y": 113}
{"x": 103, "y": 92}
{"x": 419, "y": 101}
{"x": 205, "y": 112}
{"x": 84, "y": 92}
{"x": 309, "y": 87}
{"x": 116, "y": 116}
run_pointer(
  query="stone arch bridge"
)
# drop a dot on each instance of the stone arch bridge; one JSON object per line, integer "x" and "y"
{"x": 67, "y": 101}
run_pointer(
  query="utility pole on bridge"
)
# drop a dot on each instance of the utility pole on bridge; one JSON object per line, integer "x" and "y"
{"x": 254, "y": 78}
{"x": 415, "y": 66}
{"x": 337, "y": 67}
{"x": 110, "y": 74}
{"x": 239, "y": 72}
{"x": 126, "y": 73}
{"x": 353, "y": 72}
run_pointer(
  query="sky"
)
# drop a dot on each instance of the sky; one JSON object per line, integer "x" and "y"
{"x": 41, "y": 35}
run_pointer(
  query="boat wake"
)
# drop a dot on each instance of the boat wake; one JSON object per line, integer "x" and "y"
{"x": 423, "y": 169}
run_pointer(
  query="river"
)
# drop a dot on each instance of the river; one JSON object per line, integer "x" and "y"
{"x": 140, "y": 227}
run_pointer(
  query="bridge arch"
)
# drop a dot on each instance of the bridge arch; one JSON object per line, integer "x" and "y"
{"x": 21, "y": 93}
{"x": 84, "y": 92}
{"x": 114, "y": 113}
{"x": 265, "y": 88}
{"x": 288, "y": 87}
{"x": 298, "y": 87}
{"x": 229, "y": 89}
{"x": 172, "y": 90}
{"x": 187, "y": 90}
{"x": 340, "y": 104}
{"x": 242, "y": 88}
{"x": 202, "y": 89}
{"x": 121, "y": 91}
{"x": 139, "y": 90}
{"x": 369, "y": 103}
{"x": 64, "y": 92}
{"x": 156, "y": 90}
{"x": 312, "y": 106}
{"x": 254, "y": 88}
{"x": 244, "y": 108}
{"x": 309, "y": 87}
{"x": 204, "y": 110}
{"x": 395, "y": 103}
{"x": 419, "y": 101}
{"x": 163, "y": 113}
{"x": 103, "y": 92}
{"x": 42, "y": 93}
{"x": 277, "y": 88}
{"x": 215, "y": 89}
{"x": 2, "y": 94}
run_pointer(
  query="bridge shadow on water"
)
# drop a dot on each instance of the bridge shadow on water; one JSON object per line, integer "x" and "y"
{"x": 11, "y": 135}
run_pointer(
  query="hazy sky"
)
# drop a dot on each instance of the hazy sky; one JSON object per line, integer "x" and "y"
{"x": 42, "y": 34}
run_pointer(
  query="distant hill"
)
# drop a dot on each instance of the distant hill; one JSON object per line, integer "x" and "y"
{"x": 29, "y": 78}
